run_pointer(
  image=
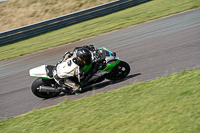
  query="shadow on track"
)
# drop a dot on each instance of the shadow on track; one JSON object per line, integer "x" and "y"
{"x": 98, "y": 86}
{"x": 106, "y": 83}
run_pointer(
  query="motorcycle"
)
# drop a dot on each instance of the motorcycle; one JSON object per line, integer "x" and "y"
{"x": 46, "y": 87}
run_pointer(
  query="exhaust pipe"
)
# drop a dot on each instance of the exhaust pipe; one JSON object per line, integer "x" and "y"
{"x": 48, "y": 89}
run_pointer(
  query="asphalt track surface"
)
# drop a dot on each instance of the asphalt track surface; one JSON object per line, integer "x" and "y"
{"x": 153, "y": 49}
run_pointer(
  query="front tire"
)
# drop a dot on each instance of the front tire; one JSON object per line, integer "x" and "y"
{"x": 39, "y": 82}
{"x": 120, "y": 71}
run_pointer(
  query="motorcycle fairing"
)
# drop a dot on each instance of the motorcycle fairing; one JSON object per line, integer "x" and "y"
{"x": 110, "y": 65}
{"x": 40, "y": 71}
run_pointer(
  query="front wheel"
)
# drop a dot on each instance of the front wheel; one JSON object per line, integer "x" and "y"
{"x": 39, "y": 82}
{"x": 120, "y": 71}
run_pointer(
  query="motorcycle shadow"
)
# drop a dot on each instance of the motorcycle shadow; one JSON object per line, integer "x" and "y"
{"x": 98, "y": 86}
{"x": 106, "y": 83}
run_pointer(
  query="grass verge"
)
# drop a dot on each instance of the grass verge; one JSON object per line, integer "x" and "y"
{"x": 135, "y": 15}
{"x": 17, "y": 13}
{"x": 167, "y": 104}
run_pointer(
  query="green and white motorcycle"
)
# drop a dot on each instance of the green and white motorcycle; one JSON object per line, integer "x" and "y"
{"x": 46, "y": 87}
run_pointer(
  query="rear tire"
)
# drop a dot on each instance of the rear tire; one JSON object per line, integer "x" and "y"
{"x": 120, "y": 71}
{"x": 39, "y": 82}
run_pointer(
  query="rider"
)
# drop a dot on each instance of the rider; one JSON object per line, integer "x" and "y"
{"x": 83, "y": 63}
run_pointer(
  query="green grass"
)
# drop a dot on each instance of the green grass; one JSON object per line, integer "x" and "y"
{"x": 135, "y": 15}
{"x": 168, "y": 104}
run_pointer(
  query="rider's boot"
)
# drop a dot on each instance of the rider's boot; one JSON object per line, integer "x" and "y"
{"x": 75, "y": 87}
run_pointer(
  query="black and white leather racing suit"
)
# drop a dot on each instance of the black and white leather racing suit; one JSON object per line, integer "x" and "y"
{"x": 69, "y": 68}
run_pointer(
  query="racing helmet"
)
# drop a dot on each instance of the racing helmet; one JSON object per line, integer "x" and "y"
{"x": 83, "y": 55}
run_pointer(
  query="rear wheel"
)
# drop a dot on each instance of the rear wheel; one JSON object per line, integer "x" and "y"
{"x": 39, "y": 82}
{"x": 120, "y": 71}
